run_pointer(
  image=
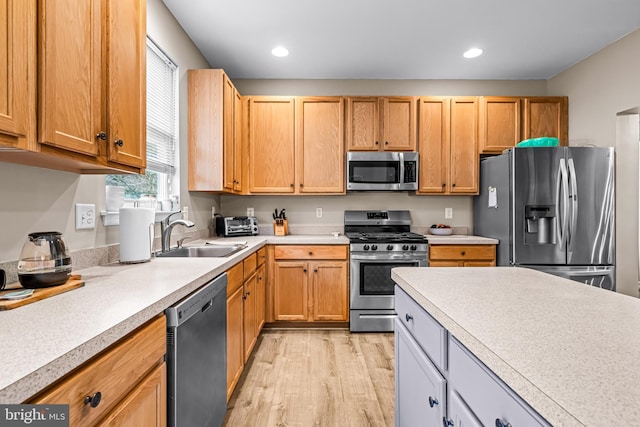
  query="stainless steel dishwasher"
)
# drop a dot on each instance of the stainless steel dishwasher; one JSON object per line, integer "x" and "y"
{"x": 197, "y": 357}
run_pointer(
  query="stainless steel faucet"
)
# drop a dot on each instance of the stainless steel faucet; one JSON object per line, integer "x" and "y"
{"x": 166, "y": 226}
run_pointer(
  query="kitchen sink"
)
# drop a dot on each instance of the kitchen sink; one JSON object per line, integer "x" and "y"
{"x": 219, "y": 251}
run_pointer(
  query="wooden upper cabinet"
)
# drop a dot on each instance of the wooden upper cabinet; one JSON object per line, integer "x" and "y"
{"x": 215, "y": 118}
{"x": 499, "y": 123}
{"x": 92, "y": 83}
{"x": 363, "y": 124}
{"x": 71, "y": 108}
{"x": 126, "y": 41}
{"x": 320, "y": 145}
{"x": 238, "y": 144}
{"x": 448, "y": 145}
{"x": 464, "y": 159}
{"x": 17, "y": 73}
{"x": 399, "y": 123}
{"x": 546, "y": 116}
{"x": 381, "y": 123}
{"x": 271, "y": 144}
{"x": 433, "y": 144}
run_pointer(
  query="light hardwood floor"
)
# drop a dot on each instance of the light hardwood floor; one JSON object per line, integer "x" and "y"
{"x": 316, "y": 378}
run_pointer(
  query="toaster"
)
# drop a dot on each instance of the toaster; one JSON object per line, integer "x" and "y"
{"x": 229, "y": 226}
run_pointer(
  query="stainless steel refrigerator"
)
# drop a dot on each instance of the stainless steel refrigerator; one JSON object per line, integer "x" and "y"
{"x": 552, "y": 209}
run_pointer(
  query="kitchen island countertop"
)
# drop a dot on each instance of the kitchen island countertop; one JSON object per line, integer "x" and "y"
{"x": 45, "y": 340}
{"x": 570, "y": 350}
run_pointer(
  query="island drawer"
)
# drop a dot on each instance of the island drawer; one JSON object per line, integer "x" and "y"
{"x": 427, "y": 332}
{"x": 488, "y": 397}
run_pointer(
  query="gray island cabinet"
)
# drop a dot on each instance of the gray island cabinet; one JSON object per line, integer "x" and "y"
{"x": 509, "y": 346}
{"x": 439, "y": 382}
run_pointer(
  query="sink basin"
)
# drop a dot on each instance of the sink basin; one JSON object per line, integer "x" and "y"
{"x": 215, "y": 251}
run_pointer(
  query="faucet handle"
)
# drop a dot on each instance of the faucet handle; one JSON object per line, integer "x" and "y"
{"x": 180, "y": 242}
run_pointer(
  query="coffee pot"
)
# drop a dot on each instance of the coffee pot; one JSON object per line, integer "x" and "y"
{"x": 44, "y": 261}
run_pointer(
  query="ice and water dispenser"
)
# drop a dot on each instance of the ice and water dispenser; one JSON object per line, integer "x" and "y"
{"x": 540, "y": 224}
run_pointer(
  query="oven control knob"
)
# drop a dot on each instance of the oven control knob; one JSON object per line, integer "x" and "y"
{"x": 414, "y": 247}
{"x": 374, "y": 247}
{"x": 389, "y": 247}
{"x": 365, "y": 247}
{"x": 405, "y": 247}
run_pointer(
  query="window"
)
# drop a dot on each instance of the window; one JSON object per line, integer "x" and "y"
{"x": 161, "y": 178}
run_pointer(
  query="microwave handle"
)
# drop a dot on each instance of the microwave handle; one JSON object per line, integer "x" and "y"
{"x": 401, "y": 158}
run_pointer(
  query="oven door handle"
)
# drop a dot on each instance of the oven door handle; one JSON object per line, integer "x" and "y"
{"x": 392, "y": 257}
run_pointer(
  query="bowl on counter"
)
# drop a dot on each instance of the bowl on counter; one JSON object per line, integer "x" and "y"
{"x": 441, "y": 231}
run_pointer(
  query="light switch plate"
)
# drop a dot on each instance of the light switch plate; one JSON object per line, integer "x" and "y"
{"x": 448, "y": 213}
{"x": 85, "y": 216}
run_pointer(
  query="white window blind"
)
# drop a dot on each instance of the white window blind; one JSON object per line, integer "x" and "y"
{"x": 162, "y": 98}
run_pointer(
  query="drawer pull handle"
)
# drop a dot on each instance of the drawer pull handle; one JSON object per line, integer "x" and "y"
{"x": 433, "y": 402}
{"x": 408, "y": 317}
{"x": 500, "y": 423}
{"x": 93, "y": 400}
{"x": 462, "y": 253}
{"x": 310, "y": 253}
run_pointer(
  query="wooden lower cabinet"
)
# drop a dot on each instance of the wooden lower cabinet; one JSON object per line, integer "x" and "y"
{"x": 235, "y": 325}
{"x": 308, "y": 288}
{"x": 130, "y": 377}
{"x": 245, "y": 313}
{"x": 462, "y": 255}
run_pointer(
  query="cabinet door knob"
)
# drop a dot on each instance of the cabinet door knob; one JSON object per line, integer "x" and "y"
{"x": 386, "y": 143}
{"x": 304, "y": 270}
{"x": 432, "y": 402}
{"x": 291, "y": 185}
{"x": 453, "y": 185}
{"x": 315, "y": 271}
{"x": 447, "y": 422}
{"x": 408, "y": 317}
{"x": 102, "y": 136}
{"x": 500, "y": 423}
{"x": 119, "y": 142}
{"x": 93, "y": 400}
{"x": 376, "y": 142}
{"x": 301, "y": 185}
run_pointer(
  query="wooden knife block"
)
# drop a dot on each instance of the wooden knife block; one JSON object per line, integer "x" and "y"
{"x": 280, "y": 227}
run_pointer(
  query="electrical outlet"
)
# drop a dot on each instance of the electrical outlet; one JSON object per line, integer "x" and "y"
{"x": 318, "y": 212}
{"x": 250, "y": 212}
{"x": 448, "y": 213}
{"x": 85, "y": 216}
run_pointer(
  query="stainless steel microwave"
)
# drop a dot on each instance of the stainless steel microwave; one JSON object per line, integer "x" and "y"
{"x": 382, "y": 171}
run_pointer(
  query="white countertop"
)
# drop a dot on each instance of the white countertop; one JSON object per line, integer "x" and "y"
{"x": 44, "y": 340}
{"x": 460, "y": 239}
{"x": 570, "y": 350}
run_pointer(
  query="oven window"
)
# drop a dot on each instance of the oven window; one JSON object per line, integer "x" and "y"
{"x": 374, "y": 172}
{"x": 375, "y": 278}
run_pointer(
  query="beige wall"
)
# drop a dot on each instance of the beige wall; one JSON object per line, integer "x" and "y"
{"x": 599, "y": 88}
{"x": 35, "y": 199}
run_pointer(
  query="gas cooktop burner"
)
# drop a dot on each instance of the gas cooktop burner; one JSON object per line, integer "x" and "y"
{"x": 386, "y": 237}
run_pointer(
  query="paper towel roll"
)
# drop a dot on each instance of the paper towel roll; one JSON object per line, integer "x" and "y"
{"x": 136, "y": 234}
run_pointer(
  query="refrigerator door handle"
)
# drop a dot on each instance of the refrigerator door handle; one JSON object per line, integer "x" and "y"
{"x": 573, "y": 196}
{"x": 562, "y": 185}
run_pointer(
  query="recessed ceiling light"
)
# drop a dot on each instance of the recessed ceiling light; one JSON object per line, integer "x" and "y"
{"x": 473, "y": 53}
{"x": 280, "y": 51}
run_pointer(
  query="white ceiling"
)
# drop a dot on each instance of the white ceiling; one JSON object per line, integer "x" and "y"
{"x": 402, "y": 39}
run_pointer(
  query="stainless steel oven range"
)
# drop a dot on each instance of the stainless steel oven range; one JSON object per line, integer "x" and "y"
{"x": 379, "y": 241}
